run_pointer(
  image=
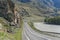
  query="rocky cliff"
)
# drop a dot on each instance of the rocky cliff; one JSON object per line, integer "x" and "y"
{"x": 9, "y": 12}
{"x": 5, "y": 7}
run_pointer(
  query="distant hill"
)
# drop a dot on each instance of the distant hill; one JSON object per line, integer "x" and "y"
{"x": 43, "y": 8}
{"x": 55, "y": 3}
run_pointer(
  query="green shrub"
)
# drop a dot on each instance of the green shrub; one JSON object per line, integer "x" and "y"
{"x": 54, "y": 20}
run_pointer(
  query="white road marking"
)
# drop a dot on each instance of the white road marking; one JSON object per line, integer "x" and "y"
{"x": 26, "y": 36}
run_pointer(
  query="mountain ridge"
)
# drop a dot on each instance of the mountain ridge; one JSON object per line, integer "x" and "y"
{"x": 44, "y": 7}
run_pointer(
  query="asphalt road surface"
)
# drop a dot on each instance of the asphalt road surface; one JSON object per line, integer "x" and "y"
{"x": 30, "y": 34}
{"x": 47, "y": 27}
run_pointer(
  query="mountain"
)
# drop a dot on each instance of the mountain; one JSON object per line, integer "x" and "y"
{"x": 43, "y": 6}
{"x": 55, "y": 3}
{"x": 38, "y": 2}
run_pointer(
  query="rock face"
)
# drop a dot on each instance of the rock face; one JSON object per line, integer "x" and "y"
{"x": 7, "y": 11}
{"x": 23, "y": 12}
{"x": 5, "y": 7}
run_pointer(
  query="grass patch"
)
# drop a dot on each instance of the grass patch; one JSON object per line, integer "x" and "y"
{"x": 11, "y": 36}
{"x": 1, "y": 34}
{"x": 18, "y": 34}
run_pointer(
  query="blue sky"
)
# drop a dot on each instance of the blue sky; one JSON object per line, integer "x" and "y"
{"x": 56, "y": 3}
{"x": 24, "y": 1}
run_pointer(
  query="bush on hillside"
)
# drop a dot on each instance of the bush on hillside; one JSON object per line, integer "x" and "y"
{"x": 55, "y": 20}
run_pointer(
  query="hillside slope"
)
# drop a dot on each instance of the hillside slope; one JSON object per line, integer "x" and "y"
{"x": 39, "y": 7}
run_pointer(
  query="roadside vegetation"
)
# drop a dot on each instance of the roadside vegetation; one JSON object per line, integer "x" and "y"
{"x": 33, "y": 27}
{"x": 54, "y": 20}
{"x": 15, "y": 35}
{"x": 18, "y": 34}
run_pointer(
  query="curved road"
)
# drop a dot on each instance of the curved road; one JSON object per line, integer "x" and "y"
{"x": 30, "y": 34}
